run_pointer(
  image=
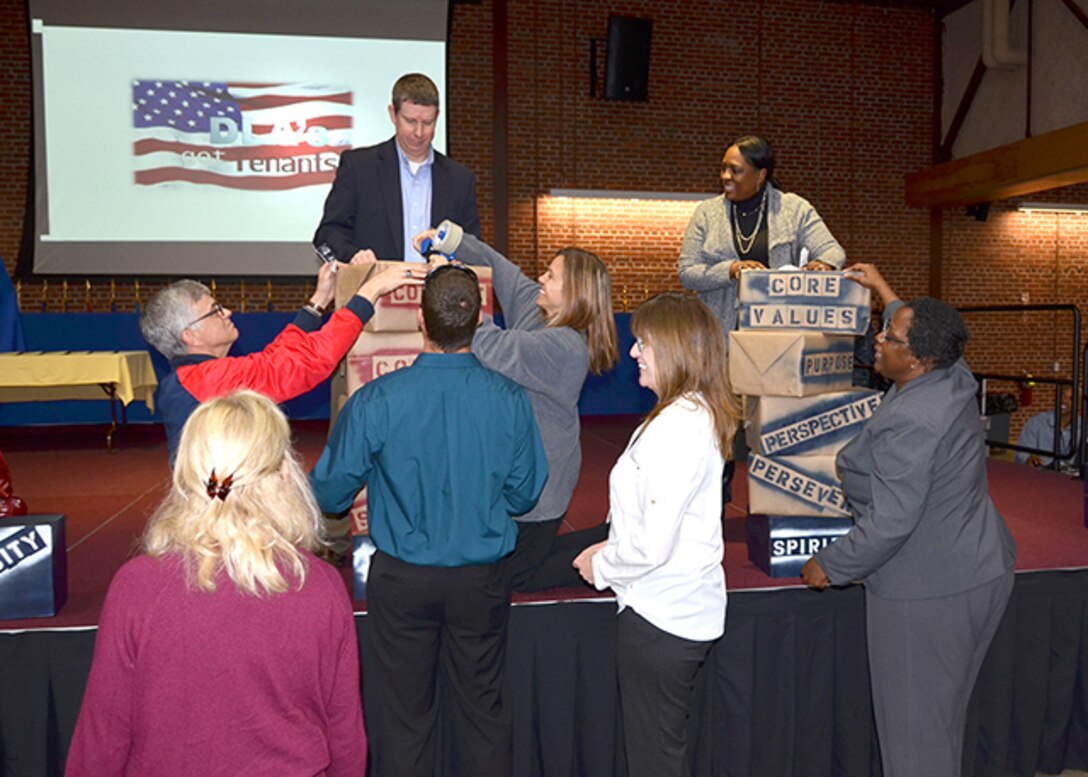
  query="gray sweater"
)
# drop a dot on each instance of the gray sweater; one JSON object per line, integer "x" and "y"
{"x": 550, "y": 363}
{"x": 707, "y": 253}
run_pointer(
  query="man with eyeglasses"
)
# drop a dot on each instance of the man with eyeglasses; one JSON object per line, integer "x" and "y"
{"x": 195, "y": 332}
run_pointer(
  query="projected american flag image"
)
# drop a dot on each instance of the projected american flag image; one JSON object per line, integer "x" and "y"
{"x": 269, "y": 137}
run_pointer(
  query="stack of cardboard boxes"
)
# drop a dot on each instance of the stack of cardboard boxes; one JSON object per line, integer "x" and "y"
{"x": 793, "y": 360}
{"x": 390, "y": 340}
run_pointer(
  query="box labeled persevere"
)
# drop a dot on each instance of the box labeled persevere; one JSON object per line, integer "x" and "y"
{"x": 396, "y": 311}
{"x": 795, "y": 485}
{"x": 826, "y": 302}
{"x": 807, "y": 426}
{"x": 780, "y": 545}
{"x": 33, "y": 567}
{"x": 789, "y": 364}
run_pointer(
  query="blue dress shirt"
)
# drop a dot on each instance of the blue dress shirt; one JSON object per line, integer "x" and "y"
{"x": 415, "y": 200}
{"x": 449, "y": 452}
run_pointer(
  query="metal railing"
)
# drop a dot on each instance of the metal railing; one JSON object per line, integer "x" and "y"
{"x": 1074, "y": 454}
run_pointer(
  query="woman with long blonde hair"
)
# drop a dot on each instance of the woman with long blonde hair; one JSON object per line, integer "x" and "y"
{"x": 226, "y": 647}
{"x": 558, "y": 329}
{"x": 663, "y": 556}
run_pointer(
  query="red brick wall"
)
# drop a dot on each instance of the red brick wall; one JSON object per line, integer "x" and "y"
{"x": 843, "y": 90}
{"x": 818, "y": 79}
{"x": 14, "y": 125}
{"x": 1018, "y": 258}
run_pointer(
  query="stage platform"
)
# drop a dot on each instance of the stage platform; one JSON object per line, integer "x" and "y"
{"x": 785, "y": 693}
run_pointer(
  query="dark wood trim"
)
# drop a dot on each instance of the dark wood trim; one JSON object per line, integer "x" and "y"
{"x": 961, "y": 110}
{"x": 936, "y": 252}
{"x": 1077, "y": 12}
{"x": 500, "y": 116}
{"x": 969, "y": 98}
{"x": 1027, "y": 101}
{"x": 936, "y": 217}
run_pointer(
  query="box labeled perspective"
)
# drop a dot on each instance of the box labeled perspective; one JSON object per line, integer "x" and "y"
{"x": 33, "y": 567}
{"x": 780, "y": 545}
{"x": 795, "y": 485}
{"x": 807, "y": 426}
{"x": 378, "y": 353}
{"x": 811, "y": 301}
{"x": 396, "y": 311}
{"x": 789, "y": 364}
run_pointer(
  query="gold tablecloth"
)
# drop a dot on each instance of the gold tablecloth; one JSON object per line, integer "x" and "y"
{"x": 42, "y": 377}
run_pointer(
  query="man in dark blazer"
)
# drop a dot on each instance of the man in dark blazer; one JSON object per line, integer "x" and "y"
{"x": 381, "y": 193}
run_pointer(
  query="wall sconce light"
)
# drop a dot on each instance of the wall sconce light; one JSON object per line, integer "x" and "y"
{"x": 1051, "y": 207}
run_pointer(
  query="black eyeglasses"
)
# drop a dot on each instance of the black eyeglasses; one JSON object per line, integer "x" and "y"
{"x": 889, "y": 337}
{"x": 217, "y": 310}
{"x": 453, "y": 263}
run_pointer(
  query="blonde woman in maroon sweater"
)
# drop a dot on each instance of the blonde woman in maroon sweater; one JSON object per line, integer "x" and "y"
{"x": 227, "y": 647}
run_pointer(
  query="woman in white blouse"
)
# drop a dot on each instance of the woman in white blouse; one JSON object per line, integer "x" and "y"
{"x": 663, "y": 556}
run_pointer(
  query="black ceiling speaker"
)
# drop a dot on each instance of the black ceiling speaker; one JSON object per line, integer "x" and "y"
{"x": 627, "y": 70}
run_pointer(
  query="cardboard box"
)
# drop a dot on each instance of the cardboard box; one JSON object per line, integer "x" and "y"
{"x": 807, "y": 426}
{"x": 789, "y": 364}
{"x": 358, "y": 514}
{"x": 396, "y": 311}
{"x": 375, "y": 354}
{"x": 33, "y": 567}
{"x": 780, "y": 545}
{"x": 795, "y": 485}
{"x": 810, "y": 301}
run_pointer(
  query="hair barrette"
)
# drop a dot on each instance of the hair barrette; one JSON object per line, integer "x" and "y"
{"x": 217, "y": 489}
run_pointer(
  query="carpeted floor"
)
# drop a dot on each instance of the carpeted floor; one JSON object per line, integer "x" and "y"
{"x": 107, "y": 498}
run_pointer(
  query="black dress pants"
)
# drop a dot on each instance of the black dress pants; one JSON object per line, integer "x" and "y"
{"x": 656, "y": 672}
{"x": 544, "y": 559}
{"x": 428, "y": 623}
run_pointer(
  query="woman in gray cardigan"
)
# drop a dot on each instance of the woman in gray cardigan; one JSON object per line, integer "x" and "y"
{"x": 753, "y": 225}
{"x": 558, "y": 329}
{"x": 933, "y": 553}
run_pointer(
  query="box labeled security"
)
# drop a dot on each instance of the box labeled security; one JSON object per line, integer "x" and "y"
{"x": 789, "y": 364}
{"x": 33, "y": 567}
{"x": 795, "y": 485}
{"x": 826, "y": 302}
{"x": 808, "y": 426}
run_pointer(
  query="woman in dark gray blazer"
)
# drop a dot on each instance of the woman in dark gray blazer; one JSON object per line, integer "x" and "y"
{"x": 933, "y": 553}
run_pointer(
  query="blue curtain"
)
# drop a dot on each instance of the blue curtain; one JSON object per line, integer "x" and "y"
{"x": 11, "y": 324}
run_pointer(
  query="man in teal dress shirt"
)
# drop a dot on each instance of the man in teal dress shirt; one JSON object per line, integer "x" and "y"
{"x": 450, "y": 452}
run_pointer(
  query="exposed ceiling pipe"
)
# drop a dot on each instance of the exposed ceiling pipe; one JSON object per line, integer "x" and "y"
{"x": 996, "y": 51}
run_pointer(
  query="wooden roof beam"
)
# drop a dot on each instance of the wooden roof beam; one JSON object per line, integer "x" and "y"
{"x": 1048, "y": 161}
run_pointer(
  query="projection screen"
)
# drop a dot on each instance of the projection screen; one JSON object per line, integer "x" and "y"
{"x": 202, "y": 138}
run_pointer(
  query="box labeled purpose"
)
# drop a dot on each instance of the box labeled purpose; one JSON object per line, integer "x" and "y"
{"x": 789, "y": 364}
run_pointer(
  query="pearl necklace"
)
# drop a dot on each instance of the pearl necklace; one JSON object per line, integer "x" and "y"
{"x": 745, "y": 242}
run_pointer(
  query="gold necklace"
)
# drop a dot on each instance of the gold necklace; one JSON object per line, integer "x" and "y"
{"x": 745, "y": 242}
